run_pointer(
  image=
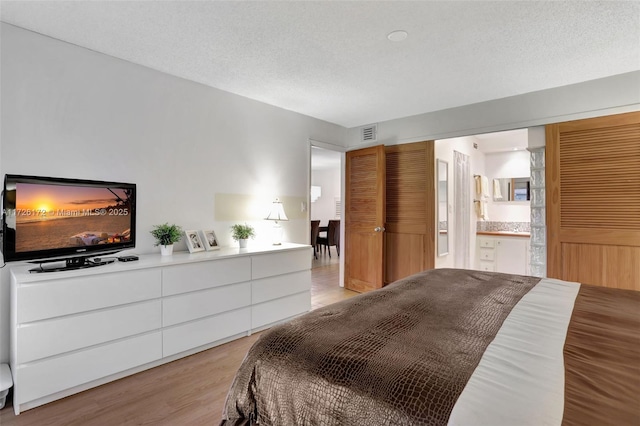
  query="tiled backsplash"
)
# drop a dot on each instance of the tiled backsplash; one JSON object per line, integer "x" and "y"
{"x": 488, "y": 226}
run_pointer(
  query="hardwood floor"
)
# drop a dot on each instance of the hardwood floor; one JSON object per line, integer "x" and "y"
{"x": 189, "y": 391}
{"x": 324, "y": 281}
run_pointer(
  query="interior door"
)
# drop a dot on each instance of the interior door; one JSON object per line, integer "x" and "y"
{"x": 593, "y": 201}
{"x": 364, "y": 219}
{"x": 410, "y": 218}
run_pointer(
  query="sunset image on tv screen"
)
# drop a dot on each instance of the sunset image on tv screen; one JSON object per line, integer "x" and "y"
{"x": 57, "y": 216}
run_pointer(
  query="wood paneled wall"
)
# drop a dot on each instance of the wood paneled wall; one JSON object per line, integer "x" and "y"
{"x": 410, "y": 219}
{"x": 593, "y": 201}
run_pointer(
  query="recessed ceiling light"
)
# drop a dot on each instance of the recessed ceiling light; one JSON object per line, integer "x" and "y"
{"x": 398, "y": 35}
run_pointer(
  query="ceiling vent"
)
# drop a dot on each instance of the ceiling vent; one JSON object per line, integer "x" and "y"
{"x": 369, "y": 133}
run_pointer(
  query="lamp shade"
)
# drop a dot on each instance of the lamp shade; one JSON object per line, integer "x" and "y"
{"x": 277, "y": 211}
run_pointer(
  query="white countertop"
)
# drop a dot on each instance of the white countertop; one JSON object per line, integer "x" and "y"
{"x": 505, "y": 233}
{"x": 21, "y": 270}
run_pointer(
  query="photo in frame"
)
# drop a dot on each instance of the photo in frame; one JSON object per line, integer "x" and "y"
{"x": 194, "y": 242}
{"x": 210, "y": 240}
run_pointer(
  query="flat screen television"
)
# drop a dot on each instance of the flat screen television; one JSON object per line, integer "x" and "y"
{"x": 48, "y": 219}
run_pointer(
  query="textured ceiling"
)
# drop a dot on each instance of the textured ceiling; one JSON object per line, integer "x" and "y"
{"x": 332, "y": 60}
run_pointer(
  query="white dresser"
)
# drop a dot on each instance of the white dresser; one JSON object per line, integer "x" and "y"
{"x": 74, "y": 330}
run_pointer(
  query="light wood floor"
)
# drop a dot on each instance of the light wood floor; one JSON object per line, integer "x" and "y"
{"x": 189, "y": 391}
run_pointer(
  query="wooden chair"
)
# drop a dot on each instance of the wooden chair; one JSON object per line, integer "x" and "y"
{"x": 332, "y": 238}
{"x": 315, "y": 230}
{"x": 336, "y": 237}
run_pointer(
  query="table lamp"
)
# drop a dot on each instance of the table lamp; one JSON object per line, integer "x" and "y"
{"x": 277, "y": 214}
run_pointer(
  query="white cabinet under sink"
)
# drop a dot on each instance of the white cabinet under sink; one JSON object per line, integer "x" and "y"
{"x": 509, "y": 254}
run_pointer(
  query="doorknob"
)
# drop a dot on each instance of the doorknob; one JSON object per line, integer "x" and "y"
{"x": 379, "y": 229}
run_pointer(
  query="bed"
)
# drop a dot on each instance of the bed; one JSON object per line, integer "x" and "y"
{"x": 450, "y": 346}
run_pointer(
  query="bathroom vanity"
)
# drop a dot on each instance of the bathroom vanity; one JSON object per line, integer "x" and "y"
{"x": 503, "y": 251}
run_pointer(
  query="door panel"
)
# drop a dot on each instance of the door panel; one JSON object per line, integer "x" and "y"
{"x": 410, "y": 222}
{"x": 591, "y": 263}
{"x": 397, "y": 262}
{"x": 593, "y": 201}
{"x": 364, "y": 213}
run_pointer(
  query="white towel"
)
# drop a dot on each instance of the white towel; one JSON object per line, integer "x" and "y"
{"x": 484, "y": 185}
{"x": 481, "y": 210}
{"x": 497, "y": 193}
{"x": 478, "y": 185}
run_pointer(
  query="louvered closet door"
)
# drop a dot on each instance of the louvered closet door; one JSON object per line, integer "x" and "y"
{"x": 364, "y": 219}
{"x": 593, "y": 201}
{"x": 410, "y": 225}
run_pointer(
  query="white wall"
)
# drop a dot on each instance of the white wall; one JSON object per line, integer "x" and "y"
{"x": 71, "y": 112}
{"x": 605, "y": 96}
{"x": 507, "y": 165}
{"x": 444, "y": 151}
{"x": 323, "y": 209}
{"x": 536, "y": 137}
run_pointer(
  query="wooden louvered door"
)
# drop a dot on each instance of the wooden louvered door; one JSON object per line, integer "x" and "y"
{"x": 410, "y": 223}
{"x": 593, "y": 201}
{"x": 364, "y": 219}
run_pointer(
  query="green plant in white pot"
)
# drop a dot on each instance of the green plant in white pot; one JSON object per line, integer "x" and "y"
{"x": 242, "y": 233}
{"x": 166, "y": 235}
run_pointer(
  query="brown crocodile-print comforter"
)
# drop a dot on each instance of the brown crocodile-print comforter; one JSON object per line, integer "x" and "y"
{"x": 400, "y": 355}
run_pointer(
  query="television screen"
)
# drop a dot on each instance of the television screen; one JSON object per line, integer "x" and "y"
{"x": 54, "y": 217}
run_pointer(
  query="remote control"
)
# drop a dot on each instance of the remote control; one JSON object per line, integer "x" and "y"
{"x": 127, "y": 258}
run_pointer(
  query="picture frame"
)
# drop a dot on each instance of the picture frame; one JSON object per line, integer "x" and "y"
{"x": 194, "y": 242}
{"x": 210, "y": 240}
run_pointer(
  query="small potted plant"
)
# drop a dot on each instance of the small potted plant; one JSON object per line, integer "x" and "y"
{"x": 242, "y": 233}
{"x": 166, "y": 235}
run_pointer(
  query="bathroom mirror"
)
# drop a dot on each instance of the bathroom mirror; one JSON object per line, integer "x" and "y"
{"x": 511, "y": 189}
{"x": 443, "y": 209}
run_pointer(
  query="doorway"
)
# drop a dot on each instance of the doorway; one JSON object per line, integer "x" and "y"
{"x": 325, "y": 204}
{"x": 499, "y": 157}
{"x": 325, "y": 201}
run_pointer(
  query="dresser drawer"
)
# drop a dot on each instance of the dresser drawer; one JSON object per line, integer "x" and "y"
{"x": 59, "y": 297}
{"x": 65, "y": 372}
{"x": 200, "y": 304}
{"x": 205, "y": 331}
{"x": 204, "y": 275}
{"x": 52, "y": 337}
{"x": 487, "y": 242}
{"x": 487, "y": 266}
{"x": 268, "y": 265}
{"x": 279, "y": 309}
{"x": 487, "y": 254}
{"x": 280, "y": 286}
